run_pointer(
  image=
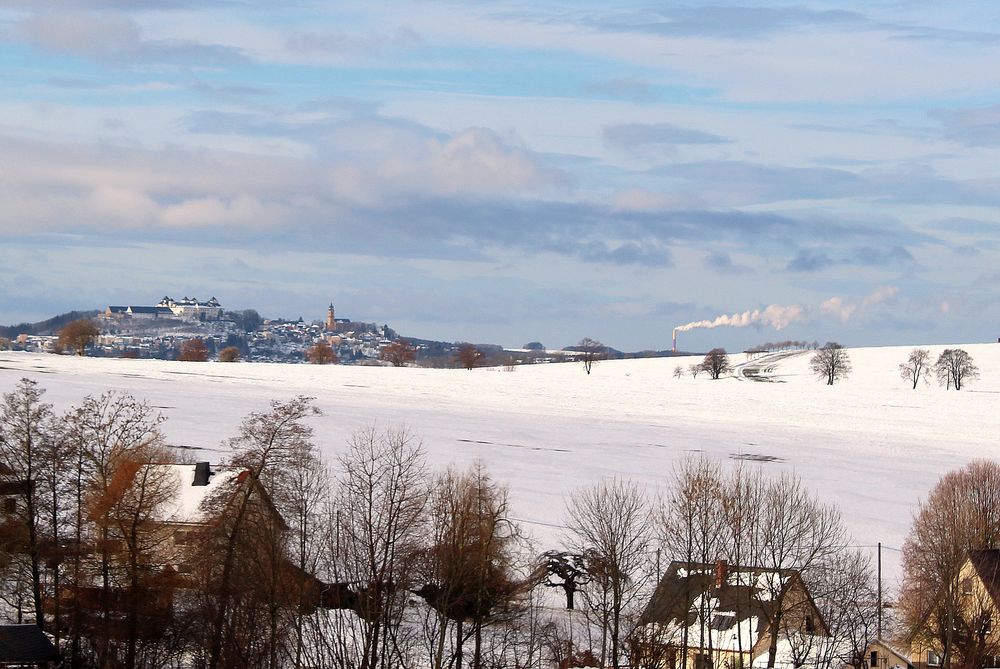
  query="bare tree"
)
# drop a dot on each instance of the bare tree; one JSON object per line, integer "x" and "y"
{"x": 961, "y": 514}
{"x": 954, "y": 367}
{"x": 695, "y": 370}
{"x": 100, "y": 432}
{"x": 266, "y": 446}
{"x": 468, "y": 356}
{"x": 691, "y": 525}
{"x": 796, "y": 532}
{"x": 678, "y": 372}
{"x": 129, "y": 512}
{"x": 381, "y": 505}
{"x": 716, "y": 363}
{"x": 831, "y": 363}
{"x": 591, "y": 351}
{"x": 399, "y": 353}
{"x": 302, "y": 502}
{"x": 916, "y": 367}
{"x": 608, "y": 522}
{"x": 321, "y": 353}
{"x": 468, "y": 565}
{"x": 24, "y": 419}
{"x": 846, "y": 594}
{"x": 78, "y": 335}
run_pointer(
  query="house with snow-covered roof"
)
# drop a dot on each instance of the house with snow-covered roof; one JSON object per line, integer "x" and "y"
{"x": 716, "y": 616}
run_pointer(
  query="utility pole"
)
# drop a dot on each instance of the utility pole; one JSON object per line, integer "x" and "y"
{"x": 880, "y": 591}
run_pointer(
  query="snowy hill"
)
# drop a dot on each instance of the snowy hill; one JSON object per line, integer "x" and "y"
{"x": 870, "y": 443}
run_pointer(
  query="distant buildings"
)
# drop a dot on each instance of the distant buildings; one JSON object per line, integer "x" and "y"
{"x": 186, "y": 308}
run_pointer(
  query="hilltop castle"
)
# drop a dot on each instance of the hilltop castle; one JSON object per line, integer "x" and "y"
{"x": 187, "y": 308}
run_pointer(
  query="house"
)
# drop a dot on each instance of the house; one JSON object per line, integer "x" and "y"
{"x": 976, "y": 633}
{"x": 880, "y": 654}
{"x": 716, "y": 616}
{"x": 26, "y": 646}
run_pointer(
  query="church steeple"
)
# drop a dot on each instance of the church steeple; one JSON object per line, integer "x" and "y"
{"x": 331, "y": 322}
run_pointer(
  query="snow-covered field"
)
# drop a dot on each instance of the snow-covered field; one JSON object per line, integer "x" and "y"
{"x": 870, "y": 443}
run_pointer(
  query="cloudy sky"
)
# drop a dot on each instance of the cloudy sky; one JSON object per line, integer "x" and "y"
{"x": 504, "y": 172}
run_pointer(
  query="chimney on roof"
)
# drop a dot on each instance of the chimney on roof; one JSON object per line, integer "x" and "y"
{"x": 721, "y": 572}
{"x": 202, "y": 471}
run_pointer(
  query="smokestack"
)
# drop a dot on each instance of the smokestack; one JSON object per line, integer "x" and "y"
{"x": 721, "y": 571}
{"x": 675, "y": 342}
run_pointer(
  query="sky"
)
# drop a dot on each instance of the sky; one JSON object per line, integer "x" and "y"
{"x": 502, "y": 172}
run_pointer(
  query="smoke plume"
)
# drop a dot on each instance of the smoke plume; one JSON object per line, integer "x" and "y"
{"x": 780, "y": 317}
{"x": 774, "y": 315}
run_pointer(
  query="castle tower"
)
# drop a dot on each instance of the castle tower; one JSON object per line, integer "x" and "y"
{"x": 331, "y": 323}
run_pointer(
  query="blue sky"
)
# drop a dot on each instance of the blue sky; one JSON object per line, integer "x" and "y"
{"x": 504, "y": 172}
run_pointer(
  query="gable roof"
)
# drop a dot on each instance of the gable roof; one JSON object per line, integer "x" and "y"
{"x": 185, "y": 505}
{"x": 25, "y": 644}
{"x": 987, "y": 566}
{"x": 744, "y": 589}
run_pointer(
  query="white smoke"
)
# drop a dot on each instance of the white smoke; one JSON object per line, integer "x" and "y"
{"x": 774, "y": 315}
{"x": 838, "y": 308}
{"x": 781, "y": 316}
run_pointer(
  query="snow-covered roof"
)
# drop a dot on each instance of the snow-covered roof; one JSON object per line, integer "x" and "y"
{"x": 186, "y": 505}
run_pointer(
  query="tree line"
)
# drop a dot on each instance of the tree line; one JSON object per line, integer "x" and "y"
{"x": 954, "y": 367}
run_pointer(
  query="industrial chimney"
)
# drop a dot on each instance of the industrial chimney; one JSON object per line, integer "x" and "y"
{"x": 675, "y": 342}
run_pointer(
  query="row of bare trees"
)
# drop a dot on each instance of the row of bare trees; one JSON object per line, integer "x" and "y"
{"x": 75, "y": 529}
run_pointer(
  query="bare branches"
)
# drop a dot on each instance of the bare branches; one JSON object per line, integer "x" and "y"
{"x": 716, "y": 363}
{"x": 916, "y": 367}
{"x": 831, "y": 363}
{"x": 962, "y": 514}
{"x": 954, "y": 367}
{"x": 608, "y": 522}
{"x": 590, "y": 351}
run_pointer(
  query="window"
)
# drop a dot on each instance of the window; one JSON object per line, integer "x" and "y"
{"x": 967, "y": 586}
{"x": 723, "y": 621}
{"x": 933, "y": 659}
{"x": 702, "y": 661}
{"x": 809, "y": 627}
{"x": 873, "y": 662}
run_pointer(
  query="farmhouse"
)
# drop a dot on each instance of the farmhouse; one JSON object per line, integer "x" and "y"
{"x": 713, "y": 616}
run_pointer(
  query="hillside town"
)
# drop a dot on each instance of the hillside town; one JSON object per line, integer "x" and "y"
{"x": 160, "y": 331}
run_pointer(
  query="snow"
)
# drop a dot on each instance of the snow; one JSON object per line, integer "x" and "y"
{"x": 185, "y": 504}
{"x": 869, "y": 444}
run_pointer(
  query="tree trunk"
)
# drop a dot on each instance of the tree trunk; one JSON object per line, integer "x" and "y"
{"x": 772, "y": 647}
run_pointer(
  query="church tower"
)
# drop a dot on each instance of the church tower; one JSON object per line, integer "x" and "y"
{"x": 331, "y": 323}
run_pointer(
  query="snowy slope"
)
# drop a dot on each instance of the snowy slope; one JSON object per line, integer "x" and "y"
{"x": 870, "y": 443}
